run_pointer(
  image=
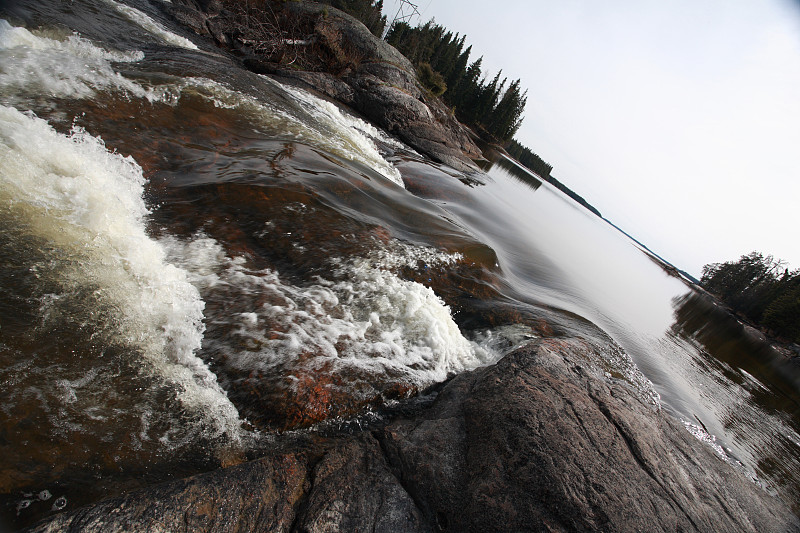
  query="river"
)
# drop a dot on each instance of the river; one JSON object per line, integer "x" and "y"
{"x": 196, "y": 258}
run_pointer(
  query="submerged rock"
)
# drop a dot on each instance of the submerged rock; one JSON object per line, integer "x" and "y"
{"x": 541, "y": 441}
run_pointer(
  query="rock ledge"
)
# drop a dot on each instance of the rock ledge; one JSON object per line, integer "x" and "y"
{"x": 541, "y": 441}
{"x": 342, "y": 60}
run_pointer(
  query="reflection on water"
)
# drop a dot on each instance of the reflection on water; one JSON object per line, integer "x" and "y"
{"x": 749, "y": 392}
{"x": 517, "y": 172}
{"x": 709, "y": 370}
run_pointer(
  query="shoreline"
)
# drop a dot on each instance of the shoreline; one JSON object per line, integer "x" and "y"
{"x": 350, "y": 66}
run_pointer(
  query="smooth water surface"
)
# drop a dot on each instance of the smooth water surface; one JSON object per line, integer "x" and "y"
{"x": 195, "y": 258}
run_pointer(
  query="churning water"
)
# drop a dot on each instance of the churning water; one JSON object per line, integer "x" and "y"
{"x": 195, "y": 257}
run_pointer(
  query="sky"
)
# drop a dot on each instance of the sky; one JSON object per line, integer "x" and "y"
{"x": 678, "y": 120}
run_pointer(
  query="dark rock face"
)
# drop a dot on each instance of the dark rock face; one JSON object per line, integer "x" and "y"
{"x": 359, "y": 70}
{"x": 257, "y": 496}
{"x": 342, "y": 485}
{"x": 541, "y": 441}
{"x": 354, "y": 490}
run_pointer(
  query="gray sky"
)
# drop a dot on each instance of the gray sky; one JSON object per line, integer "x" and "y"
{"x": 678, "y": 120}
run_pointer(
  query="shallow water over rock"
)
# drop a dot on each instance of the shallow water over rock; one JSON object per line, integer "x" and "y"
{"x": 196, "y": 258}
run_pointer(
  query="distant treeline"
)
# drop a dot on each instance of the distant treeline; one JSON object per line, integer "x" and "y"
{"x": 492, "y": 107}
{"x": 537, "y": 165}
{"x": 532, "y": 161}
{"x": 572, "y": 194}
{"x": 761, "y": 289}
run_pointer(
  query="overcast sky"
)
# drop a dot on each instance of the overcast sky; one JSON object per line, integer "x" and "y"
{"x": 679, "y": 120}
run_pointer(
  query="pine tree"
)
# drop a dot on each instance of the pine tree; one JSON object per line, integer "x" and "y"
{"x": 458, "y": 75}
{"x": 506, "y": 118}
{"x": 439, "y": 54}
{"x": 754, "y": 287}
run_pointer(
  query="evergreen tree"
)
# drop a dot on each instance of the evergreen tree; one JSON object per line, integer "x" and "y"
{"x": 783, "y": 313}
{"x": 466, "y": 91}
{"x": 458, "y": 69}
{"x": 486, "y": 98}
{"x": 491, "y": 108}
{"x": 754, "y": 287}
{"x": 527, "y": 158}
{"x": 506, "y": 117}
{"x": 457, "y": 74}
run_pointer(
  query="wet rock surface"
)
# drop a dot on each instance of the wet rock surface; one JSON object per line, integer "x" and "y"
{"x": 541, "y": 441}
{"x": 257, "y": 496}
{"x": 337, "y": 56}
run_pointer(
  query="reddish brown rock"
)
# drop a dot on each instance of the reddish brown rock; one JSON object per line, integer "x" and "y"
{"x": 263, "y": 495}
{"x": 541, "y": 441}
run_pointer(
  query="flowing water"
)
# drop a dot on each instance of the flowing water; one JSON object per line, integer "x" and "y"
{"x": 196, "y": 259}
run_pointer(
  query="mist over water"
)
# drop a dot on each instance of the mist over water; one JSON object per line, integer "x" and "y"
{"x": 194, "y": 258}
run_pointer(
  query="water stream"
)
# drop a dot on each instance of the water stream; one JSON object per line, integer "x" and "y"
{"x": 196, "y": 258}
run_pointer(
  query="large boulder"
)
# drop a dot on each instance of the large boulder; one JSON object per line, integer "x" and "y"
{"x": 544, "y": 440}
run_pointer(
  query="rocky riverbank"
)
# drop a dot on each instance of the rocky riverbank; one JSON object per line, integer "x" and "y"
{"x": 322, "y": 49}
{"x": 547, "y": 439}
{"x": 544, "y": 440}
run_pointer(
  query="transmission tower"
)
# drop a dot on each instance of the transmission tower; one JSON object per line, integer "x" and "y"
{"x": 405, "y": 13}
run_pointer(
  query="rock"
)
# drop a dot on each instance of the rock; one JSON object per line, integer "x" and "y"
{"x": 354, "y": 490}
{"x": 392, "y": 75}
{"x": 541, "y": 441}
{"x": 387, "y": 92}
{"x": 338, "y": 29}
{"x": 191, "y": 18}
{"x": 261, "y": 495}
{"x": 211, "y": 7}
{"x": 325, "y": 485}
{"x": 344, "y": 61}
{"x": 391, "y": 107}
{"x": 321, "y": 82}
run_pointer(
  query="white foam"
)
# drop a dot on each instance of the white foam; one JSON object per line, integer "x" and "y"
{"x": 143, "y": 20}
{"x": 364, "y": 317}
{"x": 324, "y": 128}
{"x": 318, "y": 106}
{"x": 86, "y": 204}
{"x": 34, "y": 65}
{"x": 705, "y": 437}
{"x": 347, "y": 133}
{"x": 72, "y": 67}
